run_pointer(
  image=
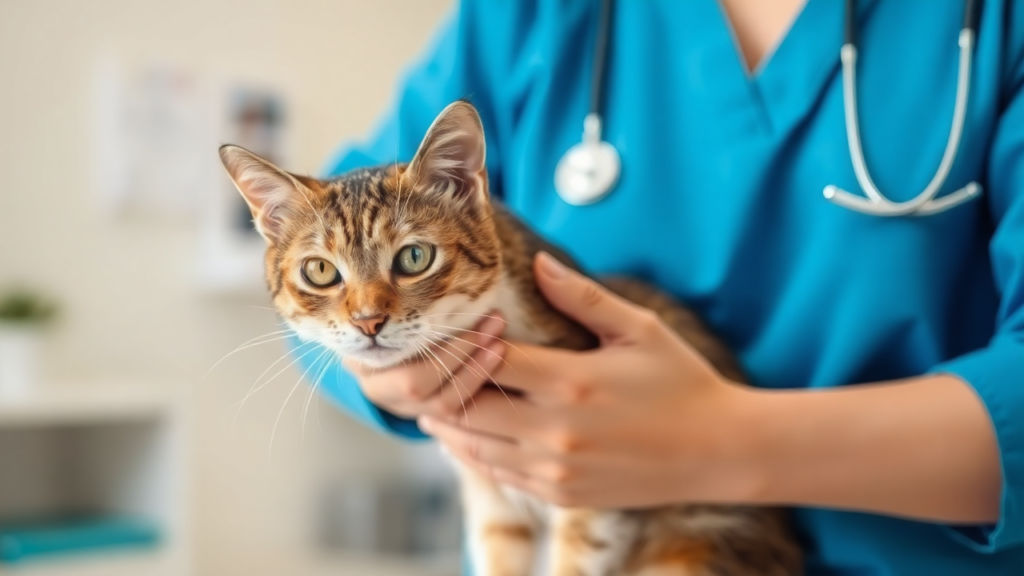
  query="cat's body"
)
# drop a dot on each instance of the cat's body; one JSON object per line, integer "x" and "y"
{"x": 368, "y": 263}
{"x": 678, "y": 540}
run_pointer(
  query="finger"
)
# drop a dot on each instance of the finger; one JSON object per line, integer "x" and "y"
{"x": 452, "y": 350}
{"x": 537, "y": 370}
{"x": 457, "y": 395}
{"x": 476, "y": 448}
{"x": 497, "y": 414}
{"x": 582, "y": 299}
{"x": 420, "y": 381}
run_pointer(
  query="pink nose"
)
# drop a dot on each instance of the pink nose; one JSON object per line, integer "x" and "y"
{"x": 370, "y": 325}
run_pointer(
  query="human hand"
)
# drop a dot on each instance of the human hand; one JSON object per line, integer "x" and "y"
{"x": 642, "y": 420}
{"x": 441, "y": 384}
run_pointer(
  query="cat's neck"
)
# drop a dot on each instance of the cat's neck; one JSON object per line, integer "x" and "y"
{"x": 530, "y": 317}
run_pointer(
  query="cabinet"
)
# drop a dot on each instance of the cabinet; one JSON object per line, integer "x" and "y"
{"x": 113, "y": 449}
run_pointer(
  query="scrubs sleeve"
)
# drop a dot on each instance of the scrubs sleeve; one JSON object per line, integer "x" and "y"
{"x": 475, "y": 55}
{"x": 997, "y": 372}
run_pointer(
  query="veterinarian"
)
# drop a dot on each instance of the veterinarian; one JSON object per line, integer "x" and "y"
{"x": 884, "y": 335}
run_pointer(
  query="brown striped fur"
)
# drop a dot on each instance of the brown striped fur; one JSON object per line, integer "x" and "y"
{"x": 484, "y": 256}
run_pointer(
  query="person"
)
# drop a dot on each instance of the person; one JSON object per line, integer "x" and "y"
{"x": 886, "y": 353}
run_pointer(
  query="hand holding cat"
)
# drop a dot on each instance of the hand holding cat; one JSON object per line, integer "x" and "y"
{"x": 642, "y": 420}
{"x": 418, "y": 388}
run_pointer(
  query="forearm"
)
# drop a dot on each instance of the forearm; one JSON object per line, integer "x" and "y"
{"x": 921, "y": 448}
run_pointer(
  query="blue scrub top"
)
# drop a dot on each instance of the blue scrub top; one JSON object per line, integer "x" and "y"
{"x": 720, "y": 203}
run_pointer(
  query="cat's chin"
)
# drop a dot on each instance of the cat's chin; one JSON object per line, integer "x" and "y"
{"x": 380, "y": 357}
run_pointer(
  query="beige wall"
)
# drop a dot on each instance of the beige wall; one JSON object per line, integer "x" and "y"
{"x": 127, "y": 288}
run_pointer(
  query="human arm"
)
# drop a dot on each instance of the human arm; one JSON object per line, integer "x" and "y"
{"x": 645, "y": 421}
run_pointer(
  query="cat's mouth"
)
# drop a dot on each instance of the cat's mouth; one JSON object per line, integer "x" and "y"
{"x": 378, "y": 354}
{"x": 376, "y": 346}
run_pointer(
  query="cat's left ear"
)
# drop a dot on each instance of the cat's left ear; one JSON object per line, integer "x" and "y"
{"x": 451, "y": 159}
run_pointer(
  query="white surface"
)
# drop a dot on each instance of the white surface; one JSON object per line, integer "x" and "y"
{"x": 66, "y": 404}
{"x": 19, "y": 359}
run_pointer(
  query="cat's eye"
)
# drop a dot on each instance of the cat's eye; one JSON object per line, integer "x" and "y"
{"x": 414, "y": 259}
{"x": 320, "y": 273}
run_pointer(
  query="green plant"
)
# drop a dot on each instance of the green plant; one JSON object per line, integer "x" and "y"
{"x": 25, "y": 307}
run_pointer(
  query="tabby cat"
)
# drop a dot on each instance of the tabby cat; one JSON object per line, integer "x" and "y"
{"x": 413, "y": 246}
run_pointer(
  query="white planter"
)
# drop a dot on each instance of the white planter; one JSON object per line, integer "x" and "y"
{"x": 19, "y": 358}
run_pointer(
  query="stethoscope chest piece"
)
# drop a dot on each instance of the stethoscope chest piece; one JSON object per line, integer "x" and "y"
{"x": 589, "y": 170}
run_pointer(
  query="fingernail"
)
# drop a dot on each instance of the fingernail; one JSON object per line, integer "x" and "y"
{"x": 493, "y": 325}
{"x": 425, "y": 424}
{"x": 550, "y": 267}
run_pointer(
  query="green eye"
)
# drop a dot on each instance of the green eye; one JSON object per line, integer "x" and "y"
{"x": 414, "y": 259}
{"x": 320, "y": 273}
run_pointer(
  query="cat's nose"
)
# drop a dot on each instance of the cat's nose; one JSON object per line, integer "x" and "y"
{"x": 370, "y": 325}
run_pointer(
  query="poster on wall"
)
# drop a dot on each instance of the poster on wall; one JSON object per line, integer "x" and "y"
{"x": 158, "y": 127}
{"x": 256, "y": 123}
{"x": 253, "y": 117}
{"x": 152, "y": 123}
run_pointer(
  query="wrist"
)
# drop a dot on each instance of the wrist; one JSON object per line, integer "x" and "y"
{"x": 751, "y": 426}
{"x": 721, "y": 450}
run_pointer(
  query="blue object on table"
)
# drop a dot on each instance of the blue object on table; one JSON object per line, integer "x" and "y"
{"x": 30, "y": 540}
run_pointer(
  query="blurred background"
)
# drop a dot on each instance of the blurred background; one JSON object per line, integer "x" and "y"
{"x": 128, "y": 272}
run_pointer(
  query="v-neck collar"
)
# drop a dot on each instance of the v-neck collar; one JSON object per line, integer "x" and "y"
{"x": 752, "y": 73}
{"x": 789, "y": 79}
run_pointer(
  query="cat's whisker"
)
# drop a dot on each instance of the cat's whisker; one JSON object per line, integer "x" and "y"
{"x": 460, "y": 360}
{"x": 484, "y": 348}
{"x": 465, "y": 314}
{"x": 437, "y": 367}
{"x": 319, "y": 422}
{"x": 486, "y": 373}
{"x": 255, "y": 389}
{"x": 270, "y": 448}
{"x": 513, "y": 346}
{"x": 244, "y": 346}
{"x": 453, "y": 380}
{"x": 419, "y": 354}
{"x": 473, "y": 371}
{"x": 420, "y": 351}
{"x": 482, "y": 369}
{"x": 309, "y": 400}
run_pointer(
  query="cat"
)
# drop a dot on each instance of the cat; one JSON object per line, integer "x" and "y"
{"x": 403, "y": 245}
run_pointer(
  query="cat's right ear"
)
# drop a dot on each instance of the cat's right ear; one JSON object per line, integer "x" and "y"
{"x": 269, "y": 191}
{"x": 450, "y": 161}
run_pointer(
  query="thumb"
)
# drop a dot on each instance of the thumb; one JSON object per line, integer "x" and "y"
{"x": 582, "y": 299}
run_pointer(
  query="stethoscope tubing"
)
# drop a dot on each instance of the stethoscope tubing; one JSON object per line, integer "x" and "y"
{"x": 924, "y": 204}
{"x": 590, "y": 169}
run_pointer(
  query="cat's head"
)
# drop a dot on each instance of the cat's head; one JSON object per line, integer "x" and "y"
{"x": 379, "y": 263}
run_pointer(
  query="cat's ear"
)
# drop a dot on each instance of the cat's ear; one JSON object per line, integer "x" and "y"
{"x": 270, "y": 192}
{"x": 450, "y": 160}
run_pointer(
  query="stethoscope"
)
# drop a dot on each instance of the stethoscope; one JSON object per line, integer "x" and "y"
{"x": 589, "y": 170}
